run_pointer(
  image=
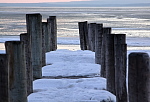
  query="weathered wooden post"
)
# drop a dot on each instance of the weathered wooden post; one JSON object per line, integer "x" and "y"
{"x": 91, "y": 36}
{"x": 24, "y": 37}
{"x": 45, "y": 30}
{"x": 120, "y": 67}
{"x": 53, "y": 32}
{"x": 139, "y": 77}
{"x": 34, "y": 28}
{"x": 44, "y": 33}
{"x": 17, "y": 71}
{"x": 98, "y": 43}
{"x": 50, "y": 34}
{"x": 4, "y": 78}
{"x": 110, "y": 63}
{"x": 120, "y": 39}
{"x": 83, "y": 33}
{"x": 106, "y": 30}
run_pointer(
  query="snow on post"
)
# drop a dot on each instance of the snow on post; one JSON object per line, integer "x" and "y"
{"x": 91, "y": 36}
{"x": 17, "y": 71}
{"x": 110, "y": 63}
{"x": 34, "y": 28}
{"x": 106, "y": 30}
{"x": 83, "y": 33}
{"x": 4, "y": 84}
{"x": 120, "y": 48}
{"x": 98, "y": 43}
{"x": 139, "y": 77}
{"x": 53, "y": 32}
{"x": 24, "y": 37}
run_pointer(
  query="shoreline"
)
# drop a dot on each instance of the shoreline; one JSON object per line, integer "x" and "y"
{"x": 73, "y": 43}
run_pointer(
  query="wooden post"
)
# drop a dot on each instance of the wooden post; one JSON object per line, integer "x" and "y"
{"x": 24, "y": 37}
{"x": 120, "y": 67}
{"x": 50, "y": 34}
{"x": 44, "y": 33}
{"x": 98, "y": 43}
{"x": 17, "y": 71}
{"x": 120, "y": 39}
{"x": 91, "y": 36}
{"x": 34, "y": 28}
{"x": 120, "y": 72}
{"x": 45, "y": 30}
{"x": 139, "y": 77}
{"x": 4, "y": 78}
{"x": 106, "y": 30}
{"x": 110, "y": 63}
{"x": 83, "y": 32}
{"x": 53, "y": 32}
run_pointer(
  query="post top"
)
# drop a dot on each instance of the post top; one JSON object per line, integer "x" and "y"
{"x": 14, "y": 42}
{"x": 139, "y": 54}
{"x": 33, "y": 14}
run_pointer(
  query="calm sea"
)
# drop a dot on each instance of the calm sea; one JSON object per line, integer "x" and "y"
{"x": 133, "y": 21}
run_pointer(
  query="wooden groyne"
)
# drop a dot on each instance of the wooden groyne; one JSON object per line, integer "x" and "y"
{"x": 24, "y": 59}
{"x": 111, "y": 53}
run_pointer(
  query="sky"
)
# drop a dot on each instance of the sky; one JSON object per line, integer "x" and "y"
{"x": 35, "y": 1}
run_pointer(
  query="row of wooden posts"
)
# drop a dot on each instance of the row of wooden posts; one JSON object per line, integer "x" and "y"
{"x": 24, "y": 59}
{"x": 111, "y": 53}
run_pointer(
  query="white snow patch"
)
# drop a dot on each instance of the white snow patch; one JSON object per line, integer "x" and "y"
{"x": 71, "y": 90}
{"x": 66, "y": 63}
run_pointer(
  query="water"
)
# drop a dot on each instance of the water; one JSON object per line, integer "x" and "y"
{"x": 132, "y": 21}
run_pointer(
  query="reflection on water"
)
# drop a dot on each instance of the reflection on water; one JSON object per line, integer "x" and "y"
{"x": 135, "y": 20}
